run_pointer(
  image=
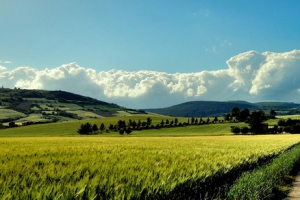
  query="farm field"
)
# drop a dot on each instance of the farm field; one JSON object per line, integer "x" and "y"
{"x": 70, "y": 128}
{"x": 119, "y": 167}
{"x": 8, "y": 113}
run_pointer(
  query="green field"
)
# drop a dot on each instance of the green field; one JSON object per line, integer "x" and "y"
{"x": 8, "y": 113}
{"x": 52, "y": 161}
{"x": 124, "y": 168}
{"x": 70, "y": 128}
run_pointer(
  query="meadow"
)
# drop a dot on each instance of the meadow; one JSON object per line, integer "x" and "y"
{"x": 125, "y": 167}
{"x": 69, "y": 128}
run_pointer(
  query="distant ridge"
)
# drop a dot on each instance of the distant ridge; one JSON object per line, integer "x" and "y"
{"x": 219, "y": 108}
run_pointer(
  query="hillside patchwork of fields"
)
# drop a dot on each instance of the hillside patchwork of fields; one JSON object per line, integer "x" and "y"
{"x": 50, "y": 106}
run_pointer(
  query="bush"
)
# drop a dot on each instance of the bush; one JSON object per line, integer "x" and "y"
{"x": 121, "y": 131}
{"x": 245, "y": 130}
{"x": 235, "y": 130}
{"x": 128, "y": 131}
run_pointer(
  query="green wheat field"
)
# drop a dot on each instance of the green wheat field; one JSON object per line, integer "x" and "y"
{"x": 123, "y": 167}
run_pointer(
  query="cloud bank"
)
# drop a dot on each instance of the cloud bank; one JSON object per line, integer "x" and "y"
{"x": 250, "y": 76}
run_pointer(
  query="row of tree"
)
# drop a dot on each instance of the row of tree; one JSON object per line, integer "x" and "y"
{"x": 89, "y": 129}
{"x": 254, "y": 119}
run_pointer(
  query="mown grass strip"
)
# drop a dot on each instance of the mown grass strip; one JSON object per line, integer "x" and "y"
{"x": 263, "y": 182}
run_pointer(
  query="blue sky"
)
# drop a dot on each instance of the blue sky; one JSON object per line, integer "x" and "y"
{"x": 169, "y": 36}
{"x": 162, "y": 36}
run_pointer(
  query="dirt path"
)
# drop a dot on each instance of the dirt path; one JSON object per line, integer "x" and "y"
{"x": 295, "y": 191}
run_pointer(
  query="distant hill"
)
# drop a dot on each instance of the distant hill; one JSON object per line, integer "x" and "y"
{"x": 219, "y": 108}
{"x": 22, "y": 105}
{"x": 12, "y": 97}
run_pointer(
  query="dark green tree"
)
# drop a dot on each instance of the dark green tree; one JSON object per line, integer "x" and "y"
{"x": 134, "y": 124}
{"x": 95, "y": 128}
{"x": 244, "y": 114}
{"x": 175, "y": 121}
{"x": 193, "y": 120}
{"x": 85, "y": 129}
{"x": 102, "y": 127}
{"x": 162, "y": 123}
{"x": 167, "y": 122}
{"x": 11, "y": 124}
{"x": 273, "y": 114}
{"x": 235, "y": 112}
{"x": 149, "y": 121}
{"x": 255, "y": 121}
{"x": 215, "y": 119}
{"x": 207, "y": 120}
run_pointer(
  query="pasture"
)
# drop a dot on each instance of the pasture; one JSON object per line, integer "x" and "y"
{"x": 8, "y": 113}
{"x": 125, "y": 167}
{"x": 69, "y": 128}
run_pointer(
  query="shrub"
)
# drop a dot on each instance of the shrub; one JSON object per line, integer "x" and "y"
{"x": 245, "y": 130}
{"x": 121, "y": 131}
{"x": 235, "y": 130}
{"x": 128, "y": 131}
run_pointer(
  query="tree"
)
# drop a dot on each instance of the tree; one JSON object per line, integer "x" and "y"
{"x": 149, "y": 121}
{"x": 12, "y": 124}
{"x": 227, "y": 117}
{"x": 244, "y": 114}
{"x": 273, "y": 114}
{"x": 134, "y": 124}
{"x": 215, "y": 119}
{"x": 121, "y": 124}
{"x": 128, "y": 131}
{"x": 235, "y": 129}
{"x": 255, "y": 121}
{"x": 175, "y": 121}
{"x": 95, "y": 128}
{"x": 85, "y": 129}
{"x": 171, "y": 123}
{"x": 111, "y": 127}
{"x": 235, "y": 112}
{"x": 162, "y": 122}
{"x": 167, "y": 122}
{"x": 245, "y": 130}
{"x": 193, "y": 120}
{"x": 102, "y": 127}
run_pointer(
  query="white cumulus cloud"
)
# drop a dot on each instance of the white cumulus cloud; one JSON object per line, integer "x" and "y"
{"x": 250, "y": 76}
{"x": 2, "y": 68}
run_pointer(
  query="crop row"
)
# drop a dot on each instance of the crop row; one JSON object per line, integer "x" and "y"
{"x": 125, "y": 168}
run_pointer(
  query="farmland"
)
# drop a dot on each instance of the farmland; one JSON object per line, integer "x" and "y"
{"x": 70, "y": 128}
{"x": 128, "y": 167}
{"x": 48, "y": 159}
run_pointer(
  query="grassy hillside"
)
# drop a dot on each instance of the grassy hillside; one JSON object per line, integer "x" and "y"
{"x": 202, "y": 108}
{"x": 46, "y": 106}
{"x": 219, "y": 108}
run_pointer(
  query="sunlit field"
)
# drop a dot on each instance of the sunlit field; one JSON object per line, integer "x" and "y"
{"x": 119, "y": 167}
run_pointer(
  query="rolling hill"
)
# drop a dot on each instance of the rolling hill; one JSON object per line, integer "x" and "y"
{"x": 22, "y": 105}
{"x": 219, "y": 108}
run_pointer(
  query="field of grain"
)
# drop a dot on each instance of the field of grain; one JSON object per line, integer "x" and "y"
{"x": 119, "y": 167}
